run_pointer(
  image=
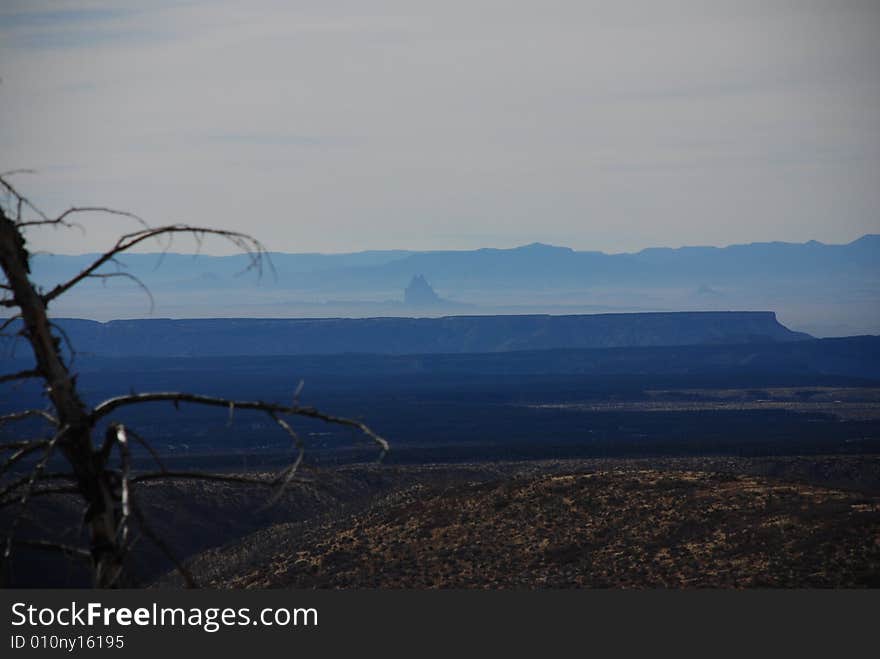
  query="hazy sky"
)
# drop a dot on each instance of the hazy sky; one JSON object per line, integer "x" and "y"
{"x": 341, "y": 126}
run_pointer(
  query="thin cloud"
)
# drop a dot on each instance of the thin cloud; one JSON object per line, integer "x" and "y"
{"x": 280, "y": 140}
{"x": 351, "y": 125}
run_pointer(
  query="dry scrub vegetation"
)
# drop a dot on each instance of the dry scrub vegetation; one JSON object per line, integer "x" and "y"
{"x": 551, "y": 527}
{"x": 671, "y": 522}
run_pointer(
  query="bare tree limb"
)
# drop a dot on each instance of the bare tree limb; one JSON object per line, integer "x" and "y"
{"x": 24, "y": 451}
{"x": 249, "y": 245}
{"x": 36, "y": 475}
{"x": 157, "y": 540}
{"x": 43, "y": 492}
{"x": 25, "y": 414}
{"x": 21, "y": 200}
{"x": 21, "y": 375}
{"x": 290, "y": 472}
{"x": 130, "y": 277}
{"x": 6, "y": 323}
{"x": 13, "y": 172}
{"x": 143, "y": 442}
{"x": 12, "y": 446}
{"x": 70, "y": 550}
{"x": 103, "y": 409}
{"x": 32, "y": 479}
{"x": 61, "y": 220}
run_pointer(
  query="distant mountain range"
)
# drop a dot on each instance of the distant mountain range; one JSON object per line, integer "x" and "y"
{"x": 822, "y": 289}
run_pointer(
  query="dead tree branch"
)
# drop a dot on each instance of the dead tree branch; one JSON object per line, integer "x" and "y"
{"x": 159, "y": 541}
{"x": 126, "y": 275}
{"x": 250, "y": 246}
{"x": 43, "y": 492}
{"x": 62, "y": 220}
{"x": 70, "y": 550}
{"x": 26, "y": 414}
{"x": 35, "y": 475}
{"x": 24, "y": 450}
{"x": 103, "y": 409}
{"x": 21, "y": 375}
{"x": 25, "y": 481}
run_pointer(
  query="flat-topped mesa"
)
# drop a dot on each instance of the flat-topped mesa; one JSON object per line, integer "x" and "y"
{"x": 449, "y": 334}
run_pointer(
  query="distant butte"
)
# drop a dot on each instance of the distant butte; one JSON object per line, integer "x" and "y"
{"x": 419, "y": 293}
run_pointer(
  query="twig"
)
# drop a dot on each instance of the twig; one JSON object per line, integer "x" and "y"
{"x": 290, "y": 472}
{"x": 130, "y": 277}
{"x": 188, "y": 578}
{"x": 6, "y": 323}
{"x": 143, "y": 442}
{"x": 11, "y": 446}
{"x": 20, "y": 198}
{"x": 21, "y": 375}
{"x": 25, "y": 480}
{"x": 62, "y": 219}
{"x": 27, "y": 449}
{"x": 35, "y": 475}
{"x": 18, "y": 416}
{"x": 249, "y": 245}
{"x": 55, "y": 546}
{"x": 13, "y": 172}
{"x": 44, "y": 492}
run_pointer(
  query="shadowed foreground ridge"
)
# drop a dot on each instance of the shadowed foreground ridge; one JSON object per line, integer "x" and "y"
{"x": 613, "y": 528}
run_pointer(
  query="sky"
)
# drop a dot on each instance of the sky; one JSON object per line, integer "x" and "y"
{"x": 350, "y": 125}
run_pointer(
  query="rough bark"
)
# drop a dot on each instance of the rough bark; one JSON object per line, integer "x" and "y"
{"x": 75, "y": 441}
